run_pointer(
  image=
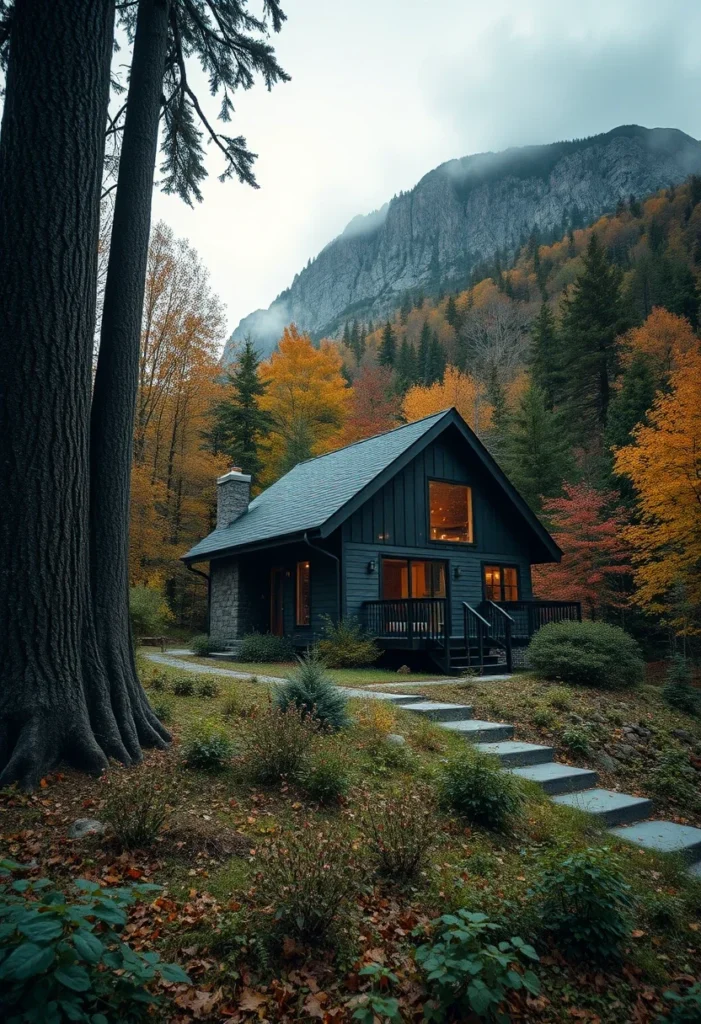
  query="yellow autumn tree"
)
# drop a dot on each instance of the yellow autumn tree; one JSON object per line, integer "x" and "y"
{"x": 456, "y": 389}
{"x": 663, "y": 338}
{"x": 664, "y": 466}
{"x": 307, "y": 397}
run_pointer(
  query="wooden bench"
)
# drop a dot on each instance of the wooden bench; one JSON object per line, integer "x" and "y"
{"x": 152, "y": 641}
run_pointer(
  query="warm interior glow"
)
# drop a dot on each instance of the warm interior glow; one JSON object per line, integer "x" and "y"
{"x": 402, "y": 578}
{"x": 500, "y": 583}
{"x": 450, "y": 516}
{"x": 303, "y": 603}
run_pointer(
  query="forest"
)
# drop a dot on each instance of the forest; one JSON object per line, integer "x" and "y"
{"x": 577, "y": 363}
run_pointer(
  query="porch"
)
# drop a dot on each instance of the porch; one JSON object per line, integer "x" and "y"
{"x": 490, "y": 631}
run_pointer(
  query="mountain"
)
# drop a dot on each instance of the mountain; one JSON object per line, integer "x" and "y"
{"x": 464, "y": 213}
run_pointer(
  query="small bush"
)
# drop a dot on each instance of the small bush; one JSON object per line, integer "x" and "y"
{"x": 403, "y": 829}
{"x": 378, "y": 717}
{"x": 208, "y": 749}
{"x": 426, "y": 735}
{"x": 137, "y": 806}
{"x": 264, "y": 647}
{"x": 474, "y": 785}
{"x": 685, "y": 1007}
{"x": 587, "y": 654}
{"x": 64, "y": 957}
{"x": 183, "y": 686}
{"x": 314, "y": 694}
{"x": 202, "y": 645}
{"x": 674, "y": 778}
{"x": 310, "y": 880}
{"x": 278, "y": 743}
{"x": 325, "y": 776}
{"x": 678, "y": 693}
{"x": 233, "y": 707}
{"x": 585, "y": 902}
{"x": 543, "y": 719}
{"x": 559, "y": 697}
{"x": 346, "y": 645}
{"x": 389, "y": 756}
{"x": 163, "y": 710}
{"x": 576, "y": 741}
{"x": 207, "y": 688}
{"x": 157, "y": 681}
{"x": 470, "y": 977}
{"x": 148, "y": 611}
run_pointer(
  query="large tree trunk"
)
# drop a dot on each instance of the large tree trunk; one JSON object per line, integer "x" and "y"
{"x": 116, "y": 380}
{"x": 54, "y": 698}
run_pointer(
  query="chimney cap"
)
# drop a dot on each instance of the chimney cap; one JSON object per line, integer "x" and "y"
{"x": 234, "y": 474}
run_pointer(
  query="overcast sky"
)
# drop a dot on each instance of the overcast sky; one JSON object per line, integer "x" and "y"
{"x": 382, "y": 91}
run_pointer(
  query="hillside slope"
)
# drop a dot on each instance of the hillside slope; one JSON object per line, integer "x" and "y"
{"x": 462, "y": 214}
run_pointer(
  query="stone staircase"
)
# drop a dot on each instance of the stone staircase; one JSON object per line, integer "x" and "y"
{"x": 627, "y": 817}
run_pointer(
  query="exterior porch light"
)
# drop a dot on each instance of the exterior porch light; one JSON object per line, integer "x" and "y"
{"x": 457, "y": 572}
{"x": 372, "y": 565}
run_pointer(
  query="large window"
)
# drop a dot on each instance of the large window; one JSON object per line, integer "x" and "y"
{"x": 450, "y": 515}
{"x": 303, "y": 603}
{"x": 500, "y": 583}
{"x": 404, "y": 577}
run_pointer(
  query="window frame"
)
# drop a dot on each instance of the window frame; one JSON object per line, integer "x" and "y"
{"x": 460, "y": 545}
{"x": 409, "y": 559}
{"x": 307, "y": 624}
{"x": 492, "y": 564}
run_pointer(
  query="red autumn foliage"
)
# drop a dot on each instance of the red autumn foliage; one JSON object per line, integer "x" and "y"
{"x": 374, "y": 407}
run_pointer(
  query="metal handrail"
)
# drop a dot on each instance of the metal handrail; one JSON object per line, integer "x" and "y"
{"x": 475, "y": 613}
{"x": 499, "y": 609}
{"x": 482, "y": 626}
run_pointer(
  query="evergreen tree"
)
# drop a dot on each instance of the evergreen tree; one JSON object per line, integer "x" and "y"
{"x": 545, "y": 355}
{"x": 436, "y": 360}
{"x": 355, "y": 339}
{"x": 592, "y": 318}
{"x": 419, "y": 300}
{"x": 346, "y": 335}
{"x": 423, "y": 364}
{"x": 451, "y": 312}
{"x": 406, "y": 366}
{"x": 388, "y": 346}
{"x": 405, "y": 308}
{"x": 238, "y": 423}
{"x": 497, "y": 433}
{"x": 631, "y": 403}
{"x": 536, "y": 449}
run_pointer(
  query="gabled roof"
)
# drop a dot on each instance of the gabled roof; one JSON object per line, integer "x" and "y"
{"x": 318, "y": 495}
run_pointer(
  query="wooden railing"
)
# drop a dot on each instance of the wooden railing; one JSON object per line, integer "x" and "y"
{"x": 476, "y": 631}
{"x": 500, "y": 627}
{"x": 412, "y": 618}
{"x": 528, "y": 616}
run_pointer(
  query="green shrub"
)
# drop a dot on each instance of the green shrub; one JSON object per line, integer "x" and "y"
{"x": 474, "y": 785}
{"x": 675, "y": 778}
{"x": 388, "y": 756}
{"x": 278, "y": 743}
{"x": 467, "y": 975}
{"x": 587, "y": 654}
{"x": 678, "y": 693}
{"x": 377, "y": 1004}
{"x": 310, "y": 880}
{"x": 233, "y": 707}
{"x": 403, "y": 827}
{"x": 585, "y": 902}
{"x": 183, "y": 686}
{"x": 207, "y": 688}
{"x": 543, "y": 719}
{"x": 66, "y": 959}
{"x": 314, "y": 694}
{"x": 202, "y": 645}
{"x": 265, "y": 647}
{"x": 345, "y": 644}
{"x": 163, "y": 710}
{"x": 148, "y": 611}
{"x": 325, "y": 776}
{"x": 208, "y": 749}
{"x": 685, "y": 1007}
{"x": 576, "y": 741}
{"x": 559, "y": 697}
{"x": 137, "y": 805}
{"x": 157, "y": 681}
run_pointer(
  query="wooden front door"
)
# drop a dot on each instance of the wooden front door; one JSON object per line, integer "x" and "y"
{"x": 277, "y": 584}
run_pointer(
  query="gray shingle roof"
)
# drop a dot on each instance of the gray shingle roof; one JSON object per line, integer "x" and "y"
{"x": 307, "y": 496}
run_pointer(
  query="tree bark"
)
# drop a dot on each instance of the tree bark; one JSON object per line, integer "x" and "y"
{"x": 54, "y": 697}
{"x": 116, "y": 380}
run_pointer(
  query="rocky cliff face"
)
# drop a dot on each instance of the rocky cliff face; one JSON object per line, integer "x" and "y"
{"x": 461, "y": 214}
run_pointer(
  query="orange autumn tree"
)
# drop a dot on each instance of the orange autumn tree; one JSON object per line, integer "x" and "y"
{"x": 664, "y": 466}
{"x": 373, "y": 406}
{"x": 595, "y": 562}
{"x": 663, "y": 339}
{"x": 307, "y": 398}
{"x": 456, "y": 389}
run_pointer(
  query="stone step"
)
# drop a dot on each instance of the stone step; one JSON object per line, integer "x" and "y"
{"x": 480, "y": 732}
{"x": 557, "y": 778}
{"x": 695, "y": 870}
{"x": 607, "y": 805}
{"x": 663, "y": 836}
{"x": 514, "y": 754}
{"x": 437, "y": 711}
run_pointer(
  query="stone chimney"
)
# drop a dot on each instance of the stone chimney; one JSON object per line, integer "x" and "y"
{"x": 233, "y": 495}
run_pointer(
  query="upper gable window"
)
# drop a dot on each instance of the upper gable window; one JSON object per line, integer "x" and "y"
{"x": 450, "y": 515}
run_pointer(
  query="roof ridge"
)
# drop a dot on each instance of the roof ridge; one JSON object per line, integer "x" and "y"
{"x": 380, "y": 433}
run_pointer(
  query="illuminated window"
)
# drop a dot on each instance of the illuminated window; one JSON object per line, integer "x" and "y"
{"x": 402, "y": 578}
{"x": 450, "y": 517}
{"x": 303, "y": 603}
{"x": 500, "y": 583}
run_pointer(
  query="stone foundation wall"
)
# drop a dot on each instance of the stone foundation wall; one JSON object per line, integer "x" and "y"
{"x": 225, "y": 601}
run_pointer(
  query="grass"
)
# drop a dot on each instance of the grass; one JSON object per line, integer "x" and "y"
{"x": 211, "y": 901}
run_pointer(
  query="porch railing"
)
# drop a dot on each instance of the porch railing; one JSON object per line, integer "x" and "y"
{"x": 476, "y": 631}
{"x": 528, "y": 616}
{"x": 413, "y": 618}
{"x": 500, "y": 628}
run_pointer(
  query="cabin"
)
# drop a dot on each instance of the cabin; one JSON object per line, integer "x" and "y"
{"x": 416, "y": 532}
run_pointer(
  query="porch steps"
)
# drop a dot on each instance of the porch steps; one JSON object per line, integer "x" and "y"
{"x": 555, "y": 778}
{"x": 514, "y": 754}
{"x": 607, "y": 805}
